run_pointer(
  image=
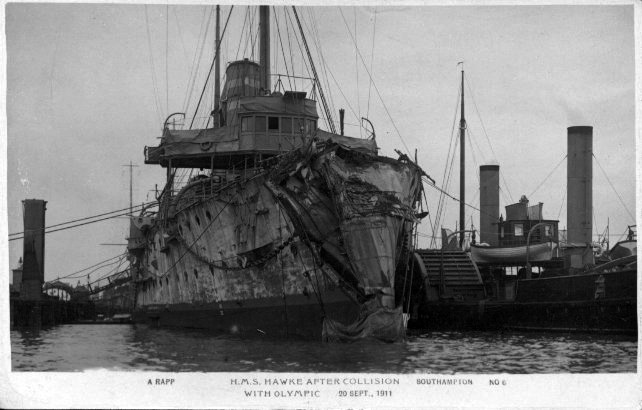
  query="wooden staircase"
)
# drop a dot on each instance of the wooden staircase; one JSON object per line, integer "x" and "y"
{"x": 461, "y": 277}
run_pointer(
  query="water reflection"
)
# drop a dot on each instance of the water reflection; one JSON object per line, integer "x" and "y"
{"x": 139, "y": 347}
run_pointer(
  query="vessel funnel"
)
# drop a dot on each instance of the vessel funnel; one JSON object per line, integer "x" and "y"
{"x": 579, "y": 211}
{"x": 489, "y": 204}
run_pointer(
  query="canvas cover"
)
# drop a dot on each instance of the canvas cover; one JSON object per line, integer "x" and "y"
{"x": 276, "y": 104}
{"x": 373, "y": 200}
{"x": 206, "y": 142}
{"x": 374, "y": 322}
{"x": 355, "y": 144}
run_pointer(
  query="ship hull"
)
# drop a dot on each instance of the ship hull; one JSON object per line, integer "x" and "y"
{"x": 281, "y": 250}
{"x": 296, "y": 316}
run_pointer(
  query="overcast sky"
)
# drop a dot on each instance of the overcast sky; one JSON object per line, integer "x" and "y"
{"x": 88, "y": 86}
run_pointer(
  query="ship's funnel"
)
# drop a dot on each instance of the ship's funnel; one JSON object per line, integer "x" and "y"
{"x": 579, "y": 214}
{"x": 489, "y": 204}
{"x": 242, "y": 79}
{"x": 264, "y": 28}
{"x": 33, "y": 268}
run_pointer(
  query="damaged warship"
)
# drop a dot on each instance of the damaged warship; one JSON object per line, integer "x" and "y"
{"x": 287, "y": 230}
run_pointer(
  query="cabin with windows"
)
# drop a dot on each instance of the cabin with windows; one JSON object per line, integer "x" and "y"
{"x": 253, "y": 124}
{"x": 520, "y": 219}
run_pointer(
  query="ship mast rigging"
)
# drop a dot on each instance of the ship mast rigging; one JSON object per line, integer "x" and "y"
{"x": 462, "y": 163}
{"x": 316, "y": 76}
{"x": 217, "y": 69}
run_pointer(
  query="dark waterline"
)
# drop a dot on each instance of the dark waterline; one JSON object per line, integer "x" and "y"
{"x": 70, "y": 348}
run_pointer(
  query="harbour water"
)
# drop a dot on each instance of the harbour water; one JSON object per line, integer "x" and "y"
{"x": 126, "y": 347}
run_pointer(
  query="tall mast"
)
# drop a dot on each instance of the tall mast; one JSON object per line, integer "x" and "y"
{"x": 131, "y": 166}
{"x": 462, "y": 162}
{"x": 264, "y": 26}
{"x": 217, "y": 68}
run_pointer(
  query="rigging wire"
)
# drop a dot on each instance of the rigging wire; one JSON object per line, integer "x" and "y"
{"x": 613, "y": 188}
{"x": 343, "y": 95}
{"x": 77, "y": 225}
{"x": 316, "y": 76}
{"x": 595, "y": 227}
{"x": 254, "y": 42}
{"x": 119, "y": 261}
{"x": 248, "y": 34}
{"x": 623, "y": 235}
{"x": 504, "y": 197}
{"x": 197, "y": 62}
{"x": 432, "y": 226}
{"x": 472, "y": 151}
{"x": 199, "y": 236}
{"x": 356, "y": 69}
{"x": 287, "y": 33}
{"x": 447, "y": 170}
{"x": 472, "y": 95}
{"x": 375, "y": 87}
{"x": 71, "y": 275}
{"x": 559, "y": 213}
{"x": 285, "y": 61}
{"x": 547, "y": 176}
{"x": 430, "y": 183}
{"x": 296, "y": 37}
{"x": 167, "y": 57}
{"x": 209, "y": 73}
{"x": 245, "y": 20}
{"x": 324, "y": 65}
{"x": 374, "y": 32}
{"x": 92, "y": 217}
{"x": 157, "y": 102}
{"x": 443, "y": 210}
{"x": 180, "y": 34}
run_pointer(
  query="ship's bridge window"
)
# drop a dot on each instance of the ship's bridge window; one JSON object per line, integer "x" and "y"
{"x": 247, "y": 124}
{"x": 548, "y": 231}
{"x": 273, "y": 123}
{"x": 310, "y": 126}
{"x": 286, "y": 125}
{"x": 299, "y": 125}
{"x": 519, "y": 229}
{"x": 259, "y": 125}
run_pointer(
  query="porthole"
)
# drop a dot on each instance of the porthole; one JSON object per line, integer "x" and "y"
{"x": 185, "y": 274}
{"x": 198, "y": 220}
{"x": 196, "y": 273}
{"x": 208, "y": 215}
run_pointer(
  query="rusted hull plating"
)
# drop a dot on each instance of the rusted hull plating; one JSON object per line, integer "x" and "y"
{"x": 283, "y": 240}
{"x": 296, "y": 316}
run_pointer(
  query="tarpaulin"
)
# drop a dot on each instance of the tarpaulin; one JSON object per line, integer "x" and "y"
{"x": 276, "y": 104}
{"x": 356, "y": 144}
{"x": 371, "y": 244}
{"x": 374, "y": 322}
